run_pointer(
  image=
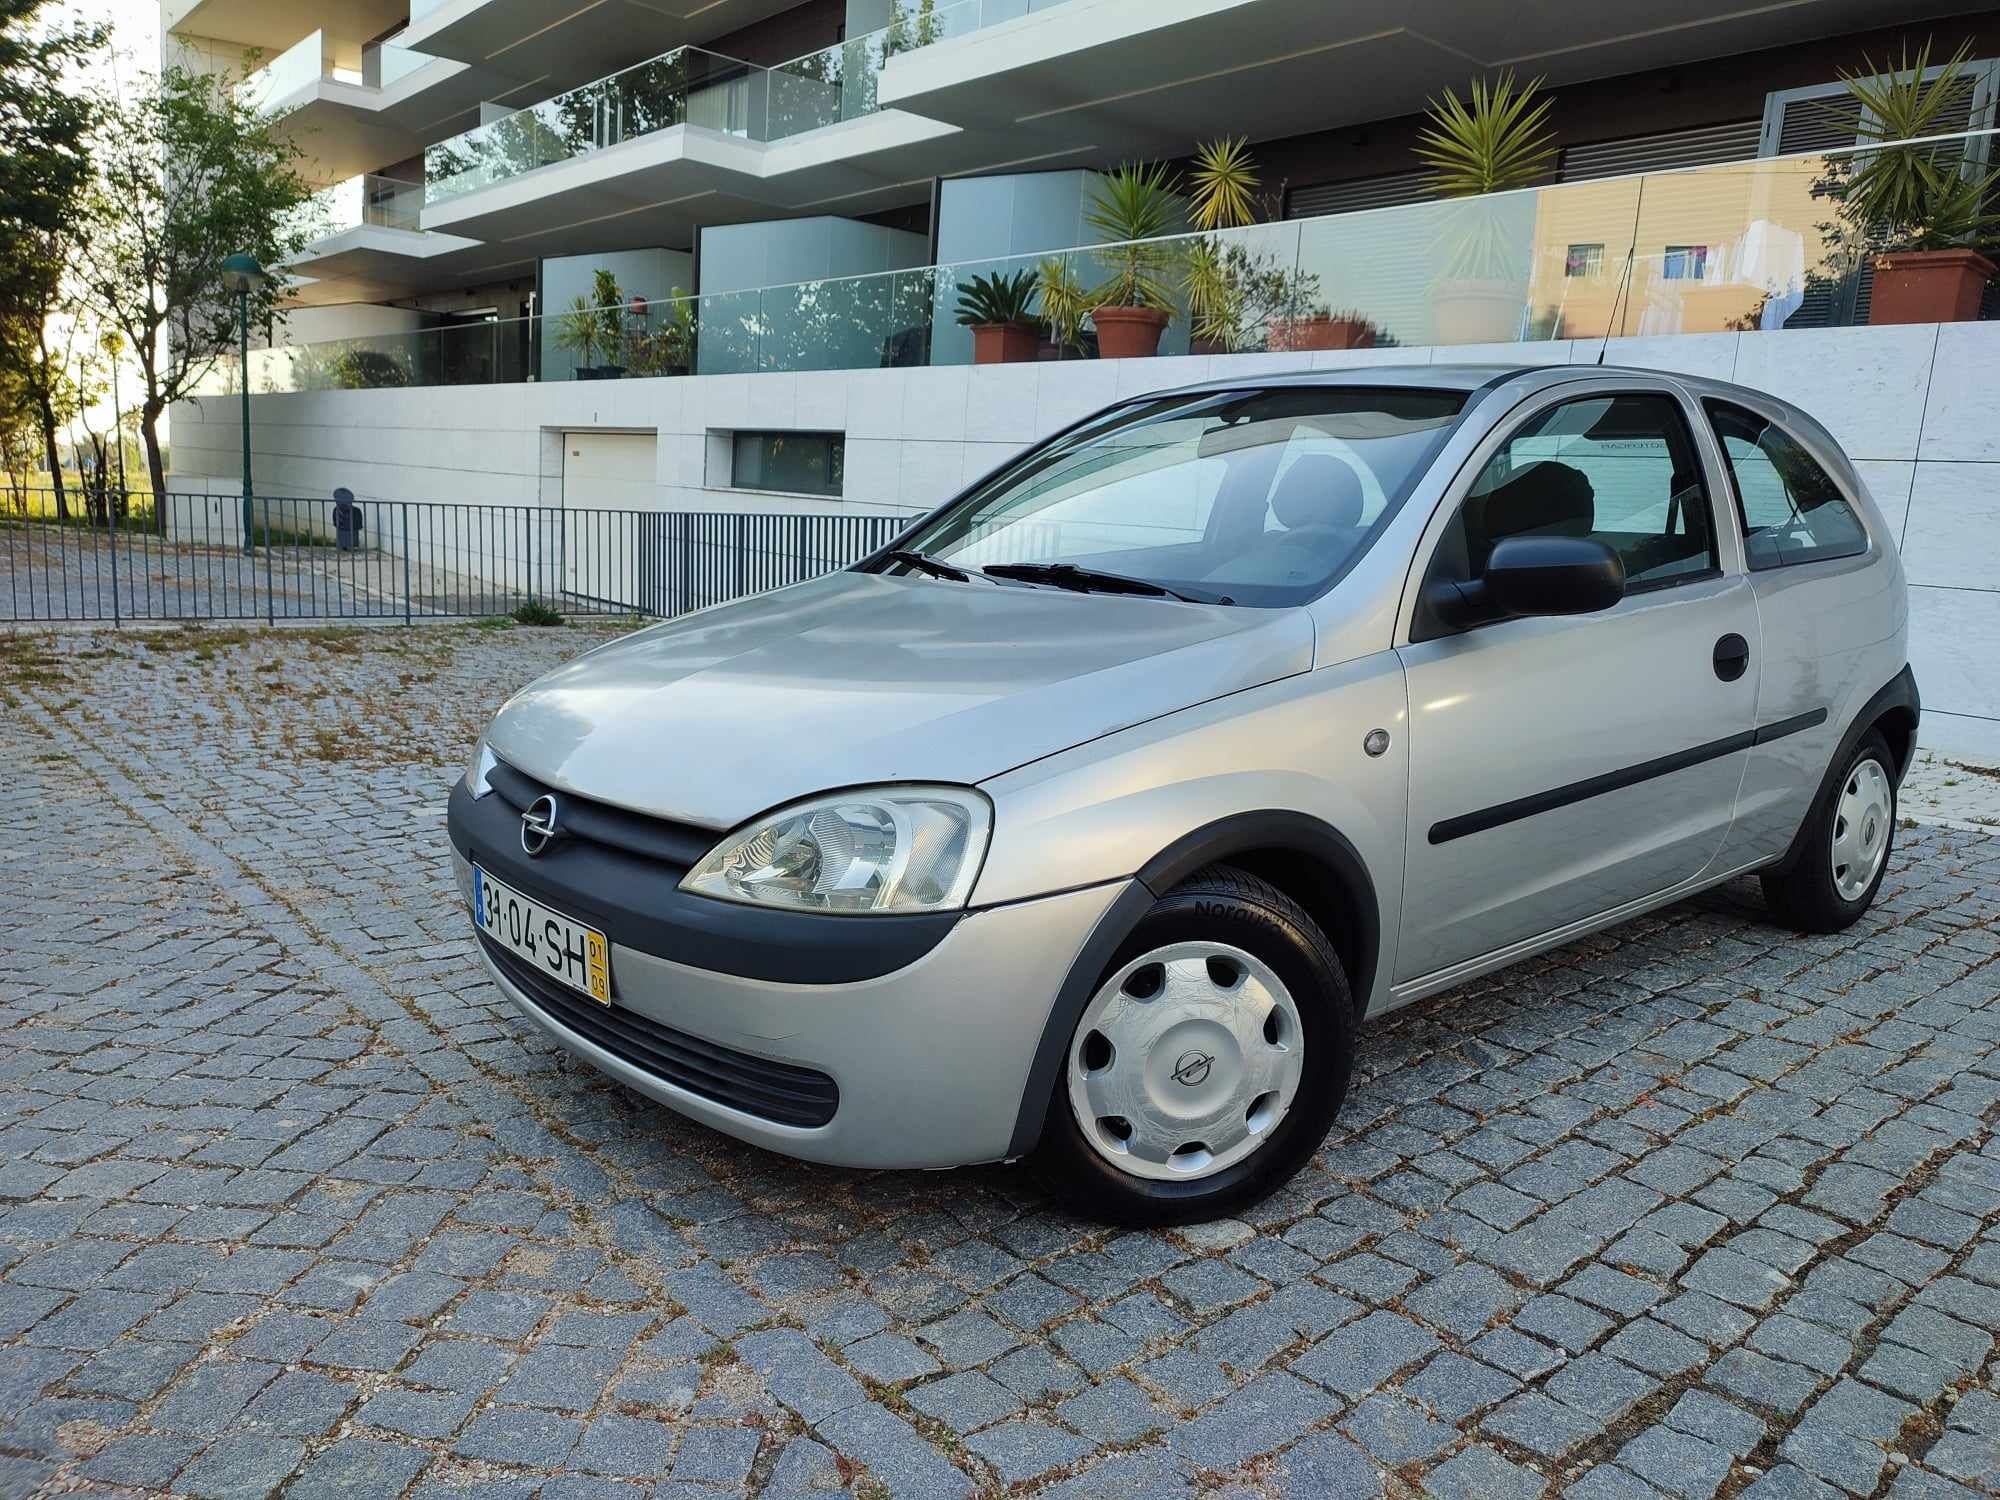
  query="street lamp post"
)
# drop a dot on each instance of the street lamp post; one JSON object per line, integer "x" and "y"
{"x": 242, "y": 275}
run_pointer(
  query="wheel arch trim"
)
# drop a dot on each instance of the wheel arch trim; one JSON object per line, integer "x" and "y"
{"x": 1264, "y": 831}
{"x": 1896, "y": 696}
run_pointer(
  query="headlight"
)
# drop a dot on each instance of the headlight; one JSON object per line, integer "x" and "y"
{"x": 880, "y": 849}
{"x": 478, "y": 768}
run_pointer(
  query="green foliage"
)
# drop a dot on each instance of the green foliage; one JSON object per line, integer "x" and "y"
{"x": 994, "y": 299}
{"x": 1133, "y": 207}
{"x": 1065, "y": 302}
{"x": 610, "y": 300}
{"x": 1223, "y": 185}
{"x": 668, "y": 349}
{"x": 187, "y": 175}
{"x": 1234, "y": 292}
{"x": 1915, "y": 197}
{"x": 1498, "y": 141}
{"x": 580, "y": 328}
{"x": 534, "y": 612}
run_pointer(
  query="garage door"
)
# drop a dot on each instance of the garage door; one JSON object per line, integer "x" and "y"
{"x": 608, "y": 487}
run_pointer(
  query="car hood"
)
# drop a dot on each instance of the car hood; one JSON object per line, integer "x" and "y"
{"x": 857, "y": 678}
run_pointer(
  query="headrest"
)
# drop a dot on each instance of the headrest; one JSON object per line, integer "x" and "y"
{"x": 1318, "y": 490}
{"x": 1544, "y": 499}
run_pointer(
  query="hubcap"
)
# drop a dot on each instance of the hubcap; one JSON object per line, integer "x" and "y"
{"x": 1861, "y": 821}
{"x": 1185, "y": 1061}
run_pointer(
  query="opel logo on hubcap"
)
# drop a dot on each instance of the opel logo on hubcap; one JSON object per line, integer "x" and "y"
{"x": 538, "y": 826}
{"x": 1191, "y": 1068}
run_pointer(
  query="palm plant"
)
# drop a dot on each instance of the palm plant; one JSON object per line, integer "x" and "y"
{"x": 1915, "y": 197}
{"x": 1223, "y": 185}
{"x": 992, "y": 300}
{"x": 1132, "y": 207}
{"x": 579, "y": 328}
{"x": 1498, "y": 141}
{"x": 610, "y": 299}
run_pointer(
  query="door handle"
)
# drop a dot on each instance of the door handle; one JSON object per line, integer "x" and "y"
{"x": 1732, "y": 657}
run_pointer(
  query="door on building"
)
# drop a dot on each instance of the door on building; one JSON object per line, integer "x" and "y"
{"x": 608, "y": 490}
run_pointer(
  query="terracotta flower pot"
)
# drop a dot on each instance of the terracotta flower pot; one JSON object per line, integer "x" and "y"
{"x": 1928, "y": 286}
{"x": 1477, "y": 312}
{"x": 1129, "y": 332}
{"x": 1004, "y": 343}
{"x": 1291, "y": 334}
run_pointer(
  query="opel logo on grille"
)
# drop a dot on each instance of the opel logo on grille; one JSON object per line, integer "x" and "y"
{"x": 538, "y": 826}
{"x": 1191, "y": 1068}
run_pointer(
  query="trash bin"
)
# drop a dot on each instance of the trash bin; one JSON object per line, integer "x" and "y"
{"x": 347, "y": 519}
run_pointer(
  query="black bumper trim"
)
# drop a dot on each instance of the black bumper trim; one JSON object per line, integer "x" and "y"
{"x": 779, "y": 1092}
{"x": 638, "y": 903}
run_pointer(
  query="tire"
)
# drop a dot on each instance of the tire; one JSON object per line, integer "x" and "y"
{"x": 1276, "y": 953}
{"x": 1817, "y": 893}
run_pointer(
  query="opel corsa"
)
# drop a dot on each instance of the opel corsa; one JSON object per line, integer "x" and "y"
{"x": 1088, "y": 820}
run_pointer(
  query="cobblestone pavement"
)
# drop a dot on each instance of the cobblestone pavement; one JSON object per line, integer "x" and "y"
{"x": 290, "y": 1202}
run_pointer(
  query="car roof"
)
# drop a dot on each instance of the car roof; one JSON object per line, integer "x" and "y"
{"x": 1462, "y": 377}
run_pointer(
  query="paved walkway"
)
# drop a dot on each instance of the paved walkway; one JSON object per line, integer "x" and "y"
{"x": 290, "y": 1202}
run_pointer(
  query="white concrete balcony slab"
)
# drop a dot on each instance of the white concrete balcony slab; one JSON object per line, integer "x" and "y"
{"x": 1152, "y": 75}
{"x": 559, "y": 45}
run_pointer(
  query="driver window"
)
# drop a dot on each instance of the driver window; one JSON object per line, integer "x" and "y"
{"x": 1619, "y": 469}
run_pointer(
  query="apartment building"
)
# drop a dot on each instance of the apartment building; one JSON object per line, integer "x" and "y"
{"x": 707, "y": 254}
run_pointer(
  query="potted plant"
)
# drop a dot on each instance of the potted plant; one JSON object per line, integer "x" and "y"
{"x": 1222, "y": 195}
{"x": 1065, "y": 304}
{"x": 1133, "y": 207}
{"x": 579, "y": 330}
{"x": 1496, "y": 141}
{"x": 1921, "y": 210}
{"x": 611, "y": 323}
{"x": 1322, "y": 328}
{"x": 1000, "y": 312}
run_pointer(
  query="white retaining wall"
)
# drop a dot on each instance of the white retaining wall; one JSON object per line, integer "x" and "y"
{"x": 1918, "y": 408}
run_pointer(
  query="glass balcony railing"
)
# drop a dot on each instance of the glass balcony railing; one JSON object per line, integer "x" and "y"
{"x": 690, "y": 86}
{"x": 299, "y": 66}
{"x": 1743, "y": 246}
{"x": 370, "y": 198}
{"x": 306, "y": 62}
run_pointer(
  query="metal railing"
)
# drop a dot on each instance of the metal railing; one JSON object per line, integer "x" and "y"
{"x": 183, "y": 557}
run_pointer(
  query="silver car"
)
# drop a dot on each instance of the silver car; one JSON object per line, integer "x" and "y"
{"x": 1089, "y": 820}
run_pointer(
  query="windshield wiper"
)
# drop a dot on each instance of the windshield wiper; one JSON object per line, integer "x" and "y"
{"x": 1091, "y": 581}
{"x": 926, "y": 564}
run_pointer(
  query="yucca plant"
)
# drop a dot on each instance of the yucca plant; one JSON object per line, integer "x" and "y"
{"x": 1065, "y": 302}
{"x": 1915, "y": 197}
{"x": 993, "y": 300}
{"x": 1498, "y": 140}
{"x": 1132, "y": 207}
{"x": 1222, "y": 185}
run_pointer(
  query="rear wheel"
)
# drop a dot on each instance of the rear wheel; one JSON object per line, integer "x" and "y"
{"x": 1846, "y": 845}
{"x": 1210, "y": 1061}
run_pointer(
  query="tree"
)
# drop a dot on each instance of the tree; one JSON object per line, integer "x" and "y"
{"x": 45, "y": 172}
{"x": 38, "y": 335}
{"x": 187, "y": 176}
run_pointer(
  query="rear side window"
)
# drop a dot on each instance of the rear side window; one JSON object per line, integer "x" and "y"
{"x": 1792, "y": 510}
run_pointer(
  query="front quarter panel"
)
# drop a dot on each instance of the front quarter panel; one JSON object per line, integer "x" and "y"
{"x": 1101, "y": 811}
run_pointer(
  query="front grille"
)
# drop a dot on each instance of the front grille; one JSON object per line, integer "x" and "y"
{"x": 676, "y": 846}
{"x": 774, "y": 1091}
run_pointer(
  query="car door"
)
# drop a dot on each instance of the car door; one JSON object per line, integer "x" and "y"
{"x": 1563, "y": 767}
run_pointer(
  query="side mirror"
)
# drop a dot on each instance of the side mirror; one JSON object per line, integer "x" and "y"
{"x": 1534, "y": 575}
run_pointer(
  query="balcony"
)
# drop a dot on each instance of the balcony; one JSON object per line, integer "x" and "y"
{"x": 368, "y": 244}
{"x": 1149, "y": 76}
{"x": 353, "y": 109}
{"x": 694, "y": 137}
{"x": 1740, "y": 246}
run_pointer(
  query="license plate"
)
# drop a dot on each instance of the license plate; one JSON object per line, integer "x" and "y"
{"x": 561, "y": 947}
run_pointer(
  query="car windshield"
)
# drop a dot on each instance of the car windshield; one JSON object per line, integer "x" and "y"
{"x": 1245, "y": 497}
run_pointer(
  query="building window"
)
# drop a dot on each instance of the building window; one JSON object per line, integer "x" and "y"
{"x": 1584, "y": 261}
{"x": 1684, "y": 263}
{"x": 793, "y": 463}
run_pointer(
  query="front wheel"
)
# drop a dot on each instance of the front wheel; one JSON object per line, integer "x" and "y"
{"x": 1210, "y": 1061}
{"x": 1848, "y": 835}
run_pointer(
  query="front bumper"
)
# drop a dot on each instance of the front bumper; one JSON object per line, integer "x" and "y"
{"x": 930, "y": 1059}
